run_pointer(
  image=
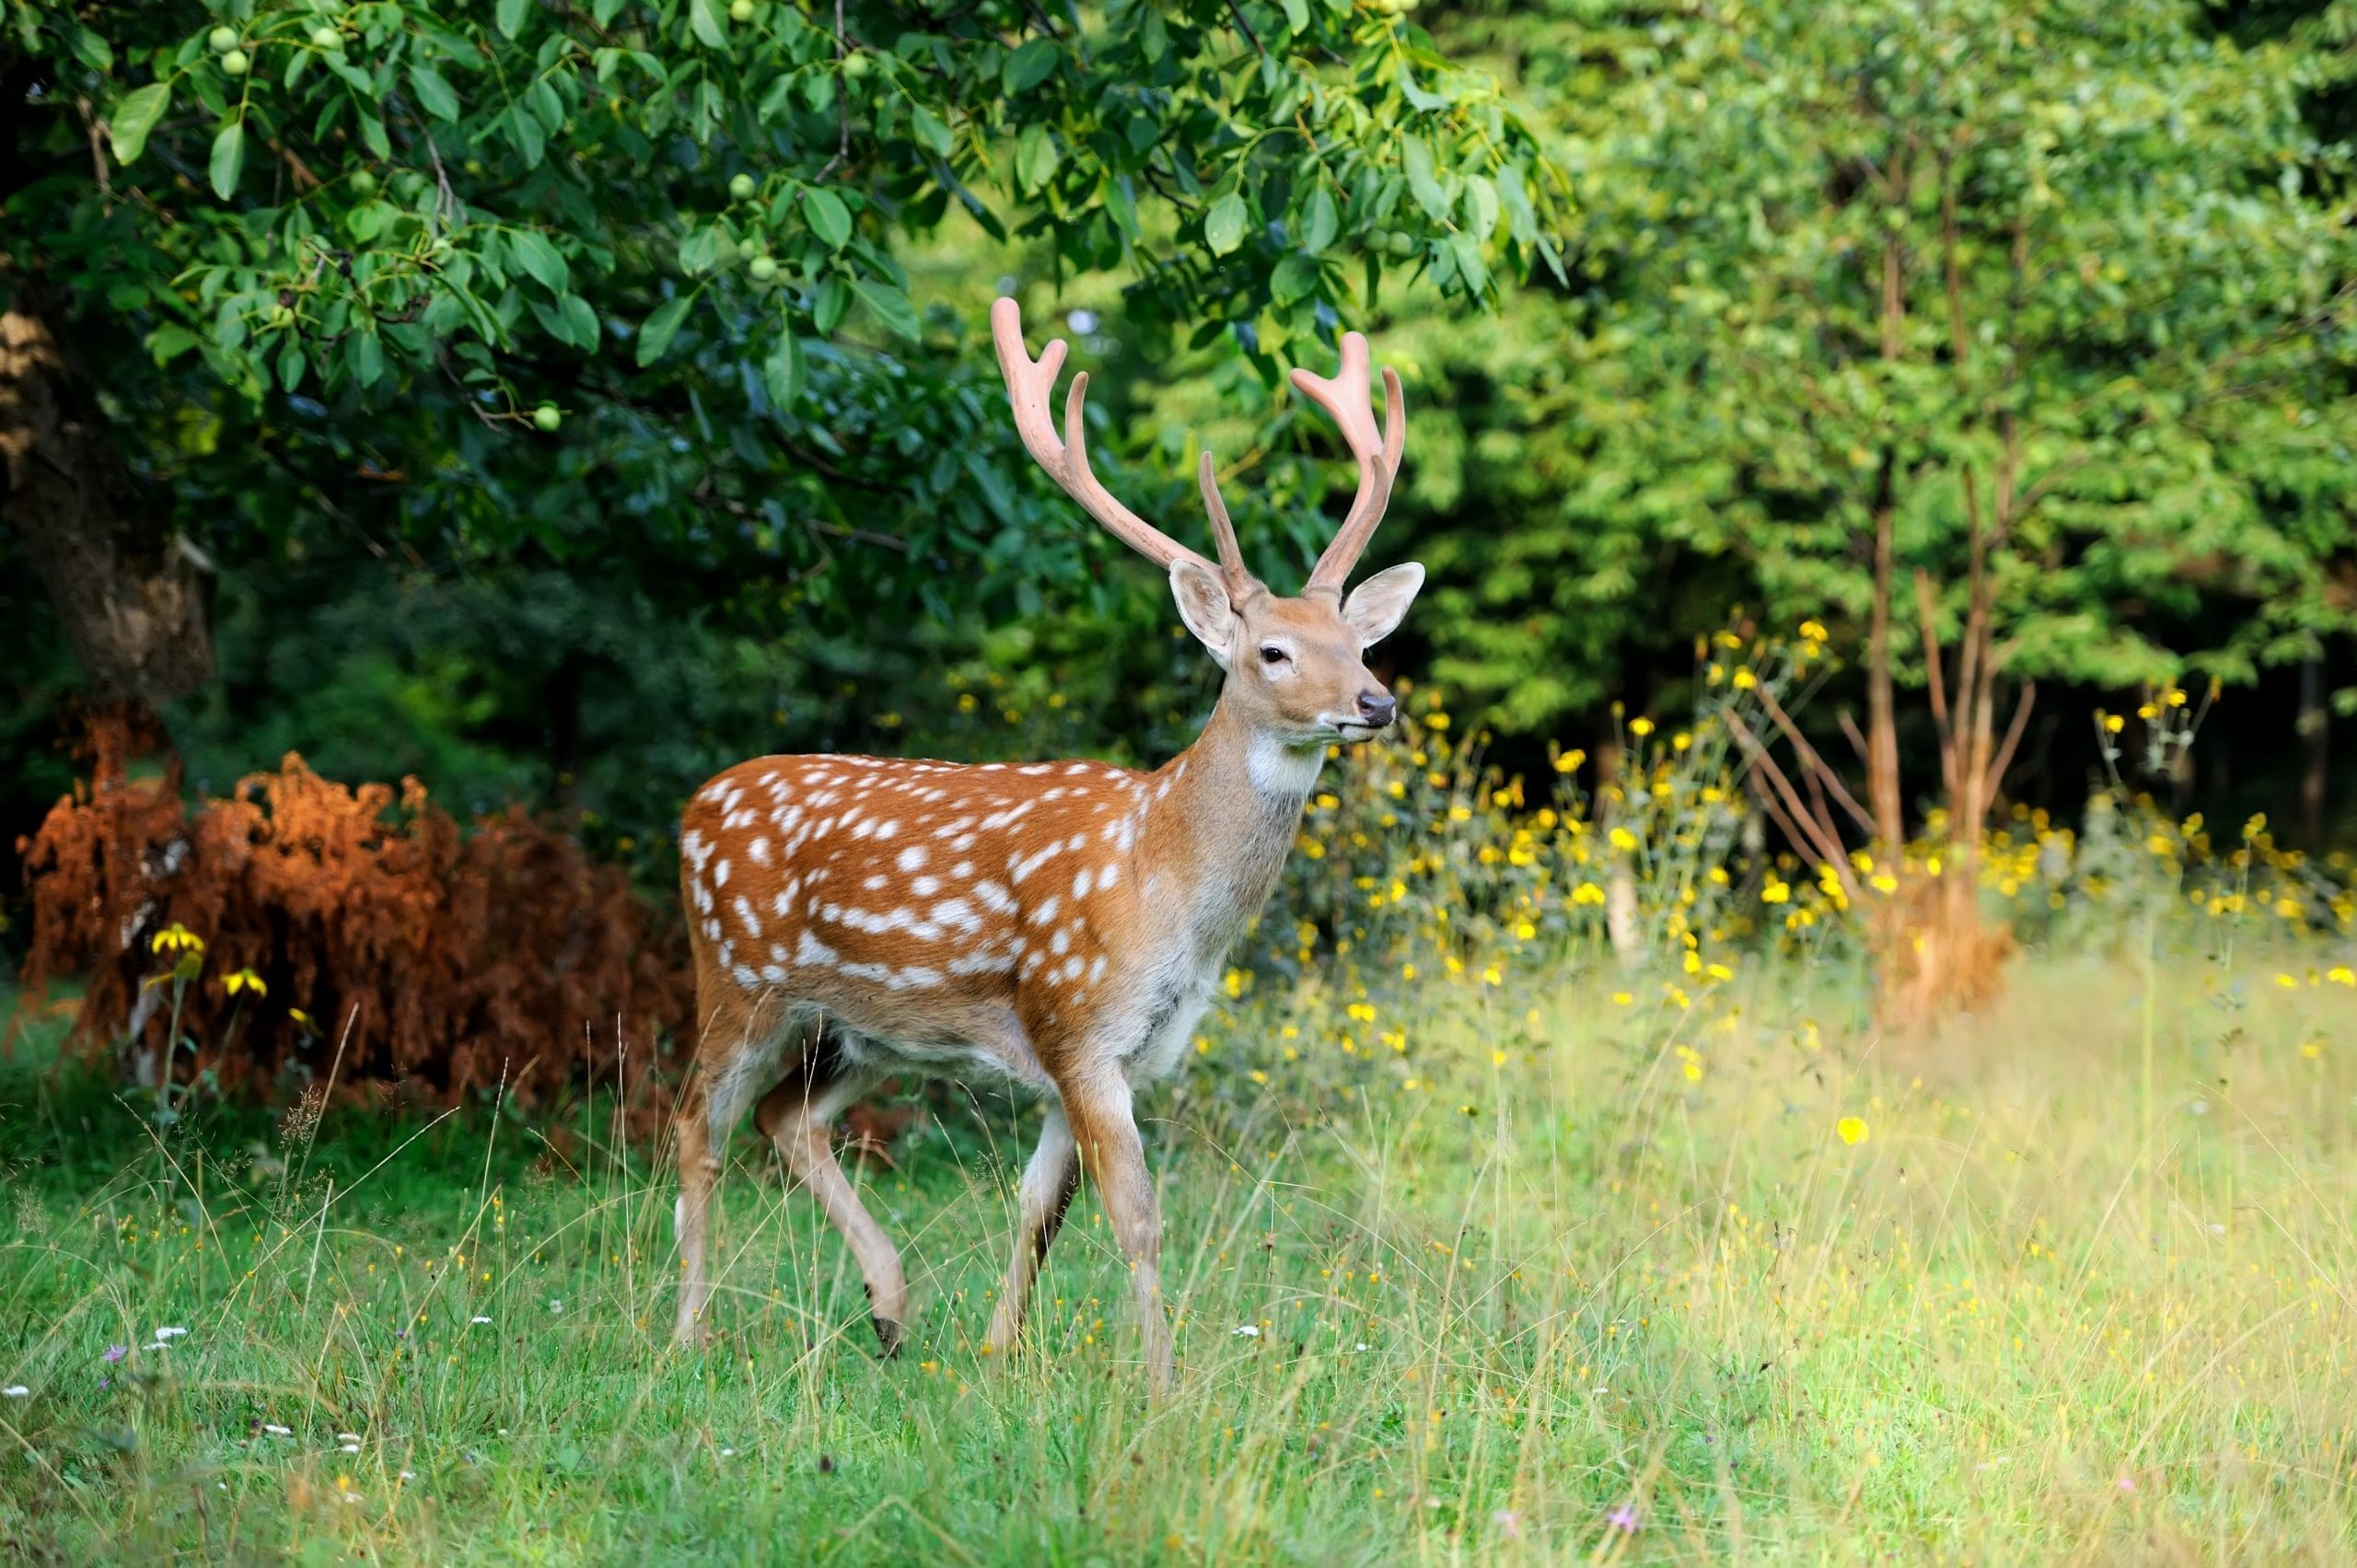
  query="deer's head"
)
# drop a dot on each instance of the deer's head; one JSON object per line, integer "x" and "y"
{"x": 1296, "y": 667}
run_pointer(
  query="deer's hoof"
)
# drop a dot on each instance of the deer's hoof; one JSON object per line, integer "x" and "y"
{"x": 888, "y": 1335}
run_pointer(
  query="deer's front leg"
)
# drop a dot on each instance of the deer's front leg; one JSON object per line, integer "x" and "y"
{"x": 1047, "y": 1189}
{"x": 1106, "y": 1133}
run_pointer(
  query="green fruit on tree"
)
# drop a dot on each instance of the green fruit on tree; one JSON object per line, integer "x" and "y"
{"x": 1400, "y": 242}
{"x": 235, "y": 63}
{"x": 222, "y": 40}
{"x": 326, "y": 37}
{"x": 740, "y": 187}
{"x": 762, "y": 269}
{"x": 281, "y": 316}
{"x": 362, "y": 183}
{"x": 547, "y": 417}
{"x": 855, "y": 65}
{"x": 740, "y": 10}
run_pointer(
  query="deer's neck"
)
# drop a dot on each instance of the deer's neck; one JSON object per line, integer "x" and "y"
{"x": 1220, "y": 819}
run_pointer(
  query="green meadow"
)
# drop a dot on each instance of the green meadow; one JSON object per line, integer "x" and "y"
{"x": 2067, "y": 1281}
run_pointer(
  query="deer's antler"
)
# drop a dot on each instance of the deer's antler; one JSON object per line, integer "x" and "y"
{"x": 1029, "y": 385}
{"x": 1344, "y": 397}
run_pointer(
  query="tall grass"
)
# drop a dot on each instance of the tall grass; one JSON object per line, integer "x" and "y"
{"x": 1561, "y": 1298}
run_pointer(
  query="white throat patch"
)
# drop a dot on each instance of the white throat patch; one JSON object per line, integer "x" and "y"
{"x": 1280, "y": 771}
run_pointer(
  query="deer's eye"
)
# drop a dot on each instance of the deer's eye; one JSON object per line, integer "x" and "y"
{"x": 1272, "y": 655}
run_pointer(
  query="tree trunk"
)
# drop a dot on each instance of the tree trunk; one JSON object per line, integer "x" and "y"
{"x": 128, "y": 591}
{"x": 1882, "y": 728}
{"x": 2316, "y": 740}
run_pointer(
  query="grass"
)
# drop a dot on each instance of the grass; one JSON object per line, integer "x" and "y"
{"x": 1572, "y": 1296}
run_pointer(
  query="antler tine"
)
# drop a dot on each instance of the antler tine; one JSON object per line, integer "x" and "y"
{"x": 1240, "y": 581}
{"x": 1346, "y": 398}
{"x": 1028, "y": 383}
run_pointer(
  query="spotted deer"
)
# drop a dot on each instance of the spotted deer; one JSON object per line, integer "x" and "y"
{"x": 1056, "y": 925}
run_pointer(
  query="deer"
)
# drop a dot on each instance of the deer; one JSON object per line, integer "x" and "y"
{"x": 1058, "y": 927}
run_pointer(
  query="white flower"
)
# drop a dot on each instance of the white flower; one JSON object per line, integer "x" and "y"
{"x": 555, "y": 1306}
{"x": 277, "y": 1431}
{"x": 481, "y": 1319}
{"x": 1247, "y": 1330}
{"x": 347, "y": 1437}
{"x": 169, "y": 1333}
{"x": 409, "y": 1475}
{"x": 16, "y": 1391}
{"x": 1362, "y": 1344}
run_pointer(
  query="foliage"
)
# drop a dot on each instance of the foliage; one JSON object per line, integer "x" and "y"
{"x": 300, "y": 931}
{"x": 2078, "y": 271}
{"x": 627, "y": 285}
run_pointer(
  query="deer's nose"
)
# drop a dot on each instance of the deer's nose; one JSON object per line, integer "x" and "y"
{"x": 1378, "y": 708}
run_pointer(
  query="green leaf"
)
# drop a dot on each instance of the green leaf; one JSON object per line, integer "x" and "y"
{"x": 1295, "y": 278}
{"x": 1520, "y": 215}
{"x": 1224, "y": 224}
{"x": 828, "y": 218}
{"x": 931, "y": 130}
{"x": 784, "y": 372}
{"x": 228, "y": 158}
{"x": 661, "y": 328}
{"x": 1028, "y": 66}
{"x": 367, "y": 356}
{"x": 1417, "y": 155}
{"x": 1469, "y": 264}
{"x": 372, "y": 130}
{"x": 135, "y": 117}
{"x": 1481, "y": 207}
{"x": 1322, "y": 222}
{"x": 92, "y": 49}
{"x": 524, "y": 129}
{"x": 710, "y": 26}
{"x": 890, "y": 305}
{"x": 1035, "y": 157}
{"x": 1122, "y": 204}
{"x": 834, "y": 298}
{"x": 537, "y": 256}
{"x": 1296, "y": 15}
{"x": 580, "y": 320}
{"x": 169, "y": 341}
{"x": 434, "y": 94}
{"x": 511, "y": 15}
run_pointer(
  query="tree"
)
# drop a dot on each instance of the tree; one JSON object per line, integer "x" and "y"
{"x": 620, "y": 284}
{"x": 2012, "y": 341}
{"x": 1784, "y": 216}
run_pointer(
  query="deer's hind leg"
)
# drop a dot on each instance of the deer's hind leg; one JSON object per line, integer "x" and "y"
{"x": 799, "y": 1116}
{"x": 737, "y": 1049}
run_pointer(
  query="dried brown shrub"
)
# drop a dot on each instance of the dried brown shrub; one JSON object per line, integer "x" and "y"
{"x": 1934, "y": 954}
{"x": 442, "y": 960}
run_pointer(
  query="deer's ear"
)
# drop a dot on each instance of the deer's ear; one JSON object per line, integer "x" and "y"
{"x": 1203, "y": 605}
{"x": 1376, "y": 606}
